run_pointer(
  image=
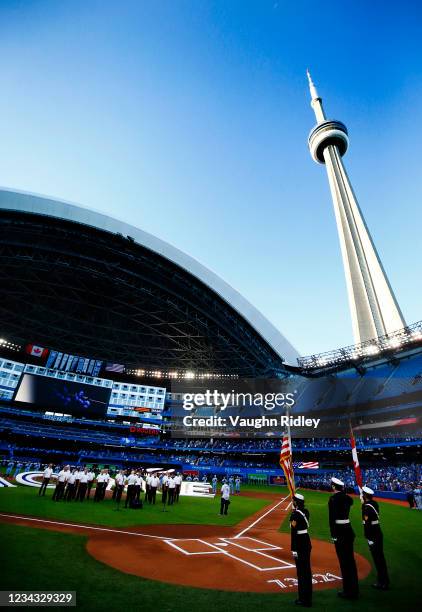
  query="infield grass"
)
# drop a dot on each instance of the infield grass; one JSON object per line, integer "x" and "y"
{"x": 189, "y": 510}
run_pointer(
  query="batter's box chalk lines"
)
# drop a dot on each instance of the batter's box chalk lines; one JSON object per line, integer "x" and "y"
{"x": 186, "y": 547}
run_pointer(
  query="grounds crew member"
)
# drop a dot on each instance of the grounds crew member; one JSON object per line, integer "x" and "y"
{"x": 343, "y": 537}
{"x": 225, "y": 499}
{"x": 45, "y": 479}
{"x": 373, "y": 533}
{"x": 301, "y": 550}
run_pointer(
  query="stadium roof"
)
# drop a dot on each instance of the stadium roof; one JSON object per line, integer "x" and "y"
{"x": 77, "y": 280}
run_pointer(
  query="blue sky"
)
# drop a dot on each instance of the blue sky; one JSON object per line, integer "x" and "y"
{"x": 190, "y": 120}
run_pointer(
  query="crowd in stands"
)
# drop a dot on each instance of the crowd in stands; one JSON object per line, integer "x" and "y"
{"x": 273, "y": 444}
{"x": 397, "y": 479}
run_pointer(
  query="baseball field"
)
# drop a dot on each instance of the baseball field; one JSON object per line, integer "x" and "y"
{"x": 188, "y": 557}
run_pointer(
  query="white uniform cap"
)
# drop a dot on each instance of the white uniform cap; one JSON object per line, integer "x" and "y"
{"x": 368, "y": 490}
{"x": 337, "y": 481}
{"x": 298, "y": 496}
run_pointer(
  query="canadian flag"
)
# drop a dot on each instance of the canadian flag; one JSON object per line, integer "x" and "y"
{"x": 358, "y": 473}
{"x": 36, "y": 351}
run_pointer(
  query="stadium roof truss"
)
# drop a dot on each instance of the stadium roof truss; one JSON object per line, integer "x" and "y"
{"x": 92, "y": 291}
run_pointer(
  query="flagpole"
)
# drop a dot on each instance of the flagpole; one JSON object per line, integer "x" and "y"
{"x": 286, "y": 462}
{"x": 356, "y": 466}
{"x": 291, "y": 448}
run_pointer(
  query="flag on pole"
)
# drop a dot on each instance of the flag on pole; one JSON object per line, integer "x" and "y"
{"x": 36, "y": 351}
{"x": 286, "y": 463}
{"x": 358, "y": 473}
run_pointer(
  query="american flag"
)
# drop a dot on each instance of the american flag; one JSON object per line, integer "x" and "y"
{"x": 306, "y": 465}
{"x": 358, "y": 473}
{"x": 115, "y": 367}
{"x": 286, "y": 463}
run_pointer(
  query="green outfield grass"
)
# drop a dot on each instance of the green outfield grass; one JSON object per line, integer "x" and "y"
{"x": 37, "y": 559}
{"x": 25, "y": 500}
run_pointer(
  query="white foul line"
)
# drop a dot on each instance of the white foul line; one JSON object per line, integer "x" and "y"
{"x": 261, "y": 517}
{"x": 26, "y": 518}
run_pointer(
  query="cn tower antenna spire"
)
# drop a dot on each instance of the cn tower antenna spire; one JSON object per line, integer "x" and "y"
{"x": 316, "y": 101}
{"x": 373, "y": 306}
{"x": 312, "y": 88}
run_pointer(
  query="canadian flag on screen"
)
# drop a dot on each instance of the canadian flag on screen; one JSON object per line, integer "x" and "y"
{"x": 36, "y": 351}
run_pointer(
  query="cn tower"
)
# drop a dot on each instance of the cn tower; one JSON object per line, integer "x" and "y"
{"x": 374, "y": 308}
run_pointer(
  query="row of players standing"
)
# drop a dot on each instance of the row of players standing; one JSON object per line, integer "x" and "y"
{"x": 343, "y": 537}
{"x": 234, "y": 483}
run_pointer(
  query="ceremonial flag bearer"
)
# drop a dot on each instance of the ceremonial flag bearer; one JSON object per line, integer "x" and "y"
{"x": 373, "y": 533}
{"x": 343, "y": 537}
{"x": 301, "y": 550}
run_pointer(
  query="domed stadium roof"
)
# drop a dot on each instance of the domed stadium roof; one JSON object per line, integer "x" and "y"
{"x": 83, "y": 282}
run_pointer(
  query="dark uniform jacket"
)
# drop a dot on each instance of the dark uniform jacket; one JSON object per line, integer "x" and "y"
{"x": 299, "y": 522}
{"x": 370, "y": 519}
{"x": 339, "y": 506}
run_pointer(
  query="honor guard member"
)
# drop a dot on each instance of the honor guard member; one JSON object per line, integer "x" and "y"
{"x": 153, "y": 486}
{"x": 101, "y": 485}
{"x": 120, "y": 485}
{"x": 225, "y": 499}
{"x": 172, "y": 489}
{"x": 113, "y": 495}
{"x": 343, "y": 537}
{"x": 105, "y": 483}
{"x": 62, "y": 477}
{"x": 91, "y": 478}
{"x": 138, "y": 486}
{"x": 301, "y": 550}
{"x": 147, "y": 485}
{"x": 164, "y": 488}
{"x": 178, "y": 483}
{"x": 130, "y": 491}
{"x": 45, "y": 479}
{"x": 373, "y": 533}
{"x": 83, "y": 485}
{"x": 70, "y": 488}
{"x": 78, "y": 473}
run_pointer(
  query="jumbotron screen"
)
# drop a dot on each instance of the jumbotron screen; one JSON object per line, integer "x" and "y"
{"x": 63, "y": 395}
